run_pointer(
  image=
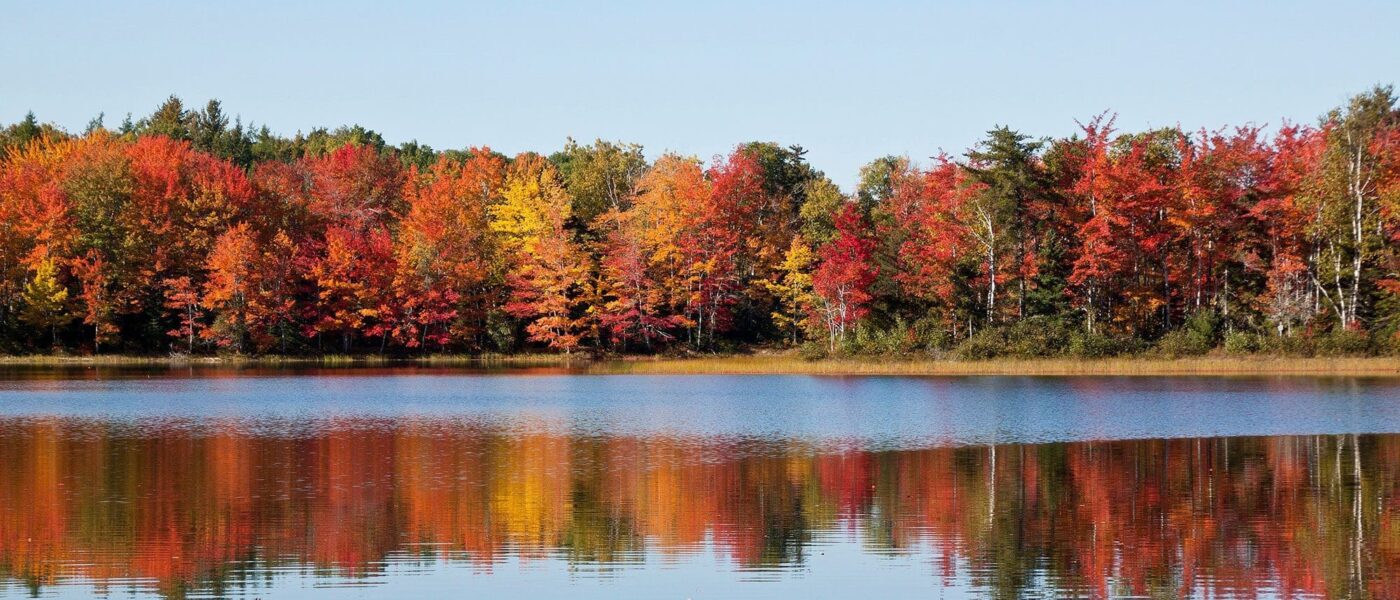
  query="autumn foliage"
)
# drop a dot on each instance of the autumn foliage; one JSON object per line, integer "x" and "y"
{"x": 152, "y": 239}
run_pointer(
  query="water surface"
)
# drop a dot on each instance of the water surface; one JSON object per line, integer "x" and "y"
{"x": 398, "y": 483}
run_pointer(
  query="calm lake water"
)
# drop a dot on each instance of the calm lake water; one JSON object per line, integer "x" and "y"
{"x": 411, "y": 483}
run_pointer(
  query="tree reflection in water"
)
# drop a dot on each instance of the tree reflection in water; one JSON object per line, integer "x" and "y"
{"x": 205, "y": 505}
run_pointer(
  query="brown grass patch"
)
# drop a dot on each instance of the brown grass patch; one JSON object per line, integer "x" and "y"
{"x": 1369, "y": 366}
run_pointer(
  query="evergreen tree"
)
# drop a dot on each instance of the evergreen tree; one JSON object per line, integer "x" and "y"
{"x": 1008, "y": 165}
{"x": 170, "y": 120}
{"x": 24, "y": 131}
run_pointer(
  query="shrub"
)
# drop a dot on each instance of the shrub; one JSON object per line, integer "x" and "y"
{"x": 1242, "y": 342}
{"x": 813, "y": 350}
{"x": 1343, "y": 342}
{"x": 1286, "y": 345}
{"x": 932, "y": 336}
{"x": 1038, "y": 337}
{"x": 1034, "y": 337}
{"x": 985, "y": 344}
{"x": 898, "y": 338}
{"x": 1181, "y": 343}
{"x": 1386, "y": 342}
{"x": 1195, "y": 337}
{"x": 1099, "y": 345}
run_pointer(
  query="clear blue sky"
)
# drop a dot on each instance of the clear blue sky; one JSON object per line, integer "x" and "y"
{"x": 850, "y": 81}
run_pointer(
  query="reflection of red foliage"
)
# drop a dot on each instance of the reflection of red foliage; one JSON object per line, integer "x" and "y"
{"x": 1239, "y": 517}
{"x": 847, "y": 477}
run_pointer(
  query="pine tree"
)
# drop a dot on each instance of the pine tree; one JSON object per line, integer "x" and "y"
{"x": 170, "y": 120}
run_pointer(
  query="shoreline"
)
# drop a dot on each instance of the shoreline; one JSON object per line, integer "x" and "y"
{"x": 770, "y": 364}
{"x": 1205, "y": 366}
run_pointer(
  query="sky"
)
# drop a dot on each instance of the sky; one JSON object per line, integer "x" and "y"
{"x": 849, "y": 81}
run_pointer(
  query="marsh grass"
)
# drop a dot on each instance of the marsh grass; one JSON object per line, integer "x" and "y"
{"x": 785, "y": 363}
{"x": 59, "y": 360}
{"x": 1113, "y": 366}
{"x": 329, "y": 360}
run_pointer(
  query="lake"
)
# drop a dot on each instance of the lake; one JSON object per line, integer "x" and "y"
{"x": 544, "y": 483}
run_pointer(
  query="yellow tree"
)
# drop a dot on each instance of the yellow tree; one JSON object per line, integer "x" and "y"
{"x": 533, "y": 201}
{"x": 45, "y": 300}
{"x": 549, "y": 290}
{"x": 793, "y": 289}
{"x": 549, "y": 274}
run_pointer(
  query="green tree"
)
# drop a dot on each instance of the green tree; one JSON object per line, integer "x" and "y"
{"x": 208, "y": 126}
{"x": 785, "y": 169}
{"x": 1350, "y": 225}
{"x": 414, "y": 154}
{"x": 322, "y": 141}
{"x": 818, "y": 211}
{"x": 20, "y": 133}
{"x": 170, "y": 119}
{"x": 95, "y": 124}
{"x": 877, "y": 180}
{"x": 601, "y": 176}
{"x": 210, "y": 131}
{"x": 1007, "y": 164}
{"x": 264, "y": 146}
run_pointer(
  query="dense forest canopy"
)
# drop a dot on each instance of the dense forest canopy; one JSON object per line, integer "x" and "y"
{"x": 188, "y": 232}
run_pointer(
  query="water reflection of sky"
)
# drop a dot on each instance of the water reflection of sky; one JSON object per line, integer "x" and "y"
{"x": 834, "y": 570}
{"x": 872, "y": 412}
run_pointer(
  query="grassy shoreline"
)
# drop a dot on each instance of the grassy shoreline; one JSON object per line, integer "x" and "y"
{"x": 756, "y": 364}
{"x": 336, "y": 360}
{"x": 1368, "y": 366}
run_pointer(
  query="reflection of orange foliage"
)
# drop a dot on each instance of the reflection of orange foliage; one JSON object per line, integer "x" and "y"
{"x": 31, "y": 539}
{"x": 183, "y": 504}
{"x": 352, "y": 506}
{"x": 442, "y": 488}
{"x": 667, "y": 507}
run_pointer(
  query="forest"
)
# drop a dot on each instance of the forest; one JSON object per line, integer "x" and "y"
{"x": 188, "y": 233}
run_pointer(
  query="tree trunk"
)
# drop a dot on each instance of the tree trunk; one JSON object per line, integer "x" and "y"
{"x": 992, "y": 288}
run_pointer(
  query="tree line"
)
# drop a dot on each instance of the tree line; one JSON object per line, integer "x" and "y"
{"x": 186, "y": 232}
